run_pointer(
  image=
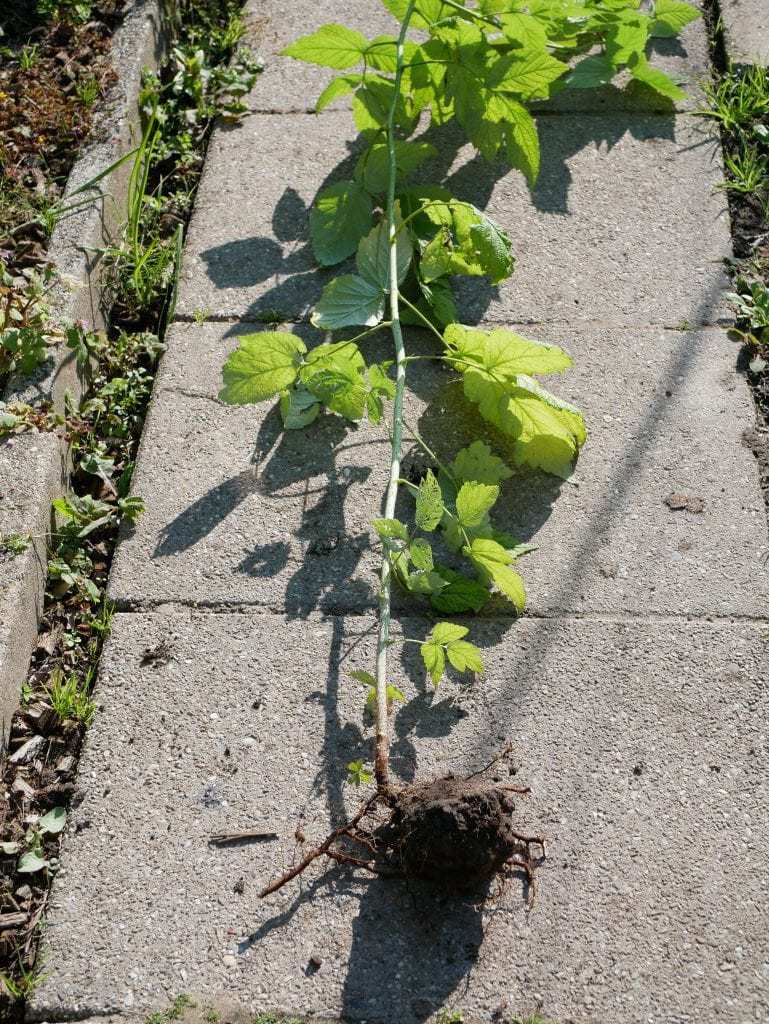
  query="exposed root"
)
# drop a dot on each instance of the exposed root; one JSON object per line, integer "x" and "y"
{"x": 454, "y": 831}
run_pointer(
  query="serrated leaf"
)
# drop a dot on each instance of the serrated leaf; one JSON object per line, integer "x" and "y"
{"x": 373, "y": 168}
{"x": 425, "y": 583}
{"x": 340, "y": 86}
{"x": 421, "y": 554}
{"x": 493, "y": 562}
{"x": 478, "y": 462}
{"x": 528, "y": 73}
{"x": 671, "y": 16}
{"x": 447, "y": 632}
{"x": 474, "y": 502}
{"x": 467, "y": 242}
{"x": 429, "y": 503}
{"x": 464, "y": 656}
{"x": 298, "y": 408}
{"x": 643, "y": 71}
{"x": 262, "y": 366}
{"x": 30, "y": 862}
{"x": 391, "y": 529}
{"x": 54, "y": 821}
{"x": 460, "y": 595}
{"x": 331, "y": 46}
{"x": 504, "y": 353}
{"x": 348, "y": 301}
{"x": 333, "y": 372}
{"x": 626, "y": 40}
{"x": 373, "y": 256}
{"x": 342, "y": 214}
{"x": 425, "y": 11}
{"x": 435, "y": 661}
{"x": 591, "y": 72}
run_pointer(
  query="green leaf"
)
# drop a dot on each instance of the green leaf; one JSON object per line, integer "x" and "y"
{"x": 461, "y": 595}
{"x": 591, "y": 72}
{"x": 435, "y": 661}
{"x": 464, "y": 656}
{"x": 477, "y": 462}
{"x": 626, "y": 40}
{"x": 54, "y": 821}
{"x": 334, "y": 373}
{"x": 474, "y": 502}
{"x": 528, "y": 74}
{"x": 425, "y": 11}
{"x": 30, "y": 862}
{"x": 392, "y": 692}
{"x": 429, "y": 503}
{"x": 421, "y": 554}
{"x": 671, "y": 16}
{"x": 391, "y": 529}
{"x": 503, "y": 352}
{"x": 373, "y": 256}
{"x": 371, "y": 106}
{"x": 332, "y": 46}
{"x": 426, "y": 583}
{"x": 358, "y": 774}
{"x": 548, "y": 431}
{"x": 298, "y": 408}
{"x": 347, "y": 301}
{"x": 447, "y": 632}
{"x": 373, "y": 168}
{"x": 467, "y": 242}
{"x": 493, "y": 563}
{"x": 340, "y": 86}
{"x": 343, "y": 213}
{"x": 642, "y": 71}
{"x": 363, "y": 677}
{"x": 262, "y": 366}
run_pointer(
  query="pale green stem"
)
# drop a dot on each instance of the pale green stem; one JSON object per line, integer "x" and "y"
{"x": 381, "y": 761}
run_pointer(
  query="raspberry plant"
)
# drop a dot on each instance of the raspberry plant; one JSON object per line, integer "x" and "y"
{"x": 482, "y": 65}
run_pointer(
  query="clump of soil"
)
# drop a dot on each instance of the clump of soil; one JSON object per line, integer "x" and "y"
{"x": 455, "y": 831}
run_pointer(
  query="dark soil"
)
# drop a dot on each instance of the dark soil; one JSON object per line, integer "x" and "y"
{"x": 455, "y": 831}
{"x": 51, "y": 78}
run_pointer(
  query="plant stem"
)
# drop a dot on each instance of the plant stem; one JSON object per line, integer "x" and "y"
{"x": 381, "y": 760}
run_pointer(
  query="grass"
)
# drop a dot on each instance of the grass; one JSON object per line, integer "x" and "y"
{"x": 174, "y": 1011}
{"x": 70, "y": 697}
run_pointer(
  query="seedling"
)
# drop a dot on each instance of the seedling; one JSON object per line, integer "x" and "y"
{"x": 480, "y": 66}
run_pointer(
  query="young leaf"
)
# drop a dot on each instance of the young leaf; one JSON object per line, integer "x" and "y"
{"x": 447, "y": 632}
{"x": 434, "y": 659}
{"x": 30, "y": 862}
{"x": 467, "y": 242}
{"x": 429, "y": 503}
{"x": 54, "y": 821}
{"x": 263, "y": 365}
{"x": 464, "y": 656}
{"x": 332, "y": 46}
{"x": 391, "y": 529}
{"x": 421, "y": 554}
{"x": 343, "y": 213}
{"x": 474, "y": 502}
{"x": 358, "y": 774}
{"x": 348, "y": 301}
{"x": 493, "y": 562}
{"x": 504, "y": 353}
{"x": 478, "y": 462}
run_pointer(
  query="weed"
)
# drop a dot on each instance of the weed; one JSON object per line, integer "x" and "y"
{"x": 450, "y": 1017}
{"x": 88, "y": 90}
{"x": 174, "y": 1011}
{"x": 201, "y": 315}
{"x": 75, "y": 11}
{"x": 24, "y": 983}
{"x": 28, "y": 56}
{"x": 70, "y": 697}
{"x": 23, "y": 320}
{"x": 211, "y": 1016}
{"x": 273, "y": 1018}
{"x": 14, "y": 543}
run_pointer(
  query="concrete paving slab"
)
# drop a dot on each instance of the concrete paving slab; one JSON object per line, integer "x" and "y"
{"x": 746, "y": 30}
{"x": 288, "y": 85}
{"x": 31, "y": 472}
{"x": 240, "y": 512}
{"x": 645, "y": 747}
{"x": 624, "y": 225}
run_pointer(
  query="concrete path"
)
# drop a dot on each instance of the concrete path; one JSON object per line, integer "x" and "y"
{"x": 633, "y": 692}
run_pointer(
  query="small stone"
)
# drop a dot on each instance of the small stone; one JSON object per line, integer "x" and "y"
{"x": 229, "y": 960}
